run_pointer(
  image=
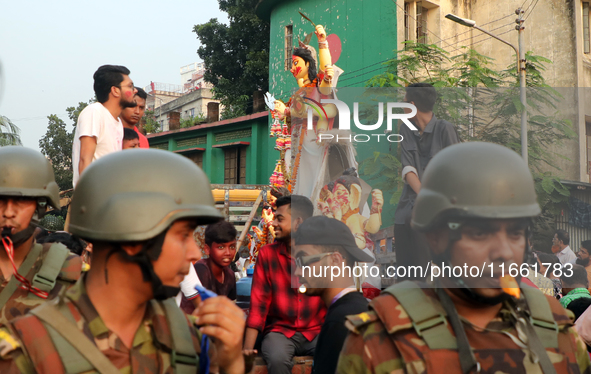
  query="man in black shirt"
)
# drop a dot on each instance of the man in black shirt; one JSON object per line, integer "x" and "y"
{"x": 417, "y": 149}
{"x": 325, "y": 254}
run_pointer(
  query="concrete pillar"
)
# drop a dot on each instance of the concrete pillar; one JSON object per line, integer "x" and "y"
{"x": 213, "y": 112}
{"x": 258, "y": 102}
{"x": 174, "y": 121}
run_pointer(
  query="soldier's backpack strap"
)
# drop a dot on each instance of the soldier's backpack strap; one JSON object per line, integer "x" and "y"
{"x": 184, "y": 357}
{"x": 541, "y": 317}
{"x": 25, "y": 267}
{"x": 58, "y": 324}
{"x": 429, "y": 322}
{"x": 50, "y": 269}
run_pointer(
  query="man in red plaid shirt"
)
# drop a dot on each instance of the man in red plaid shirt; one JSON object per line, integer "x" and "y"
{"x": 289, "y": 320}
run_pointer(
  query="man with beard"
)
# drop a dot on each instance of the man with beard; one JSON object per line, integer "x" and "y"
{"x": 130, "y": 117}
{"x": 583, "y": 257}
{"x": 289, "y": 321}
{"x": 99, "y": 130}
{"x": 321, "y": 241}
{"x": 475, "y": 206}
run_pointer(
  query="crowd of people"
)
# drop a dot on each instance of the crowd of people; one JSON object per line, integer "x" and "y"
{"x": 129, "y": 291}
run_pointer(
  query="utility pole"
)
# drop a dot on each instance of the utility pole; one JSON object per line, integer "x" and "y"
{"x": 521, "y": 70}
{"x": 520, "y": 53}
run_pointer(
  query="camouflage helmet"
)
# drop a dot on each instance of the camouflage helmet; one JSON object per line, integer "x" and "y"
{"x": 136, "y": 195}
{"x": 26, "y": 172}
{"x": 474, "y": 180}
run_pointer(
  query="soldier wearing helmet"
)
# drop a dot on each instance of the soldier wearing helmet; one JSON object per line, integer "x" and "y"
{"x": 139, "y": 209}
{"x": 30, "y": 273}
{"x": 475, "y": 207}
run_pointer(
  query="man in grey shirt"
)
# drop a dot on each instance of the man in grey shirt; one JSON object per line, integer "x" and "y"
{"x": 418, "y": 148}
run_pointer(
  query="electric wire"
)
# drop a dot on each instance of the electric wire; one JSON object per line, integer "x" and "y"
{"x": 484, "y": 24}
{"x": 532, "y": 9}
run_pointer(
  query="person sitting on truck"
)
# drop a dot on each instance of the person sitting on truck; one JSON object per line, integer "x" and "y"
{"x": 215, "y": 272}
{"x": 288, "y": 320}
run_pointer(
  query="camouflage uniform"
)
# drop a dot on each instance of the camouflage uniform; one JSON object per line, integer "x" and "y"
{"x": 384, "y": 340}
{"x": 22, "y": 300}
{"x": 27, "y": 173}
{"x": 149, "y": 353}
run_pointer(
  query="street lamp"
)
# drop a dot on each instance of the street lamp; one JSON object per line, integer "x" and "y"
{"x": 520, "y": 53}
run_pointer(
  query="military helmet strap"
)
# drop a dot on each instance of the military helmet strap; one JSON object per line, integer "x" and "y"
{"x": 79, "y": 354}
{"x": 184, "y": 358}
{"x": 150, "y": 252}
{"x": 430, "y": 323}
{"x": 468, "y": 361}
{"x": 73, "y": 338}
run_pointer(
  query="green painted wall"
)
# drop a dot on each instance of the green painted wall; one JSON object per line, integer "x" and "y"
{"x": 260, "y": 155}
{"x": 367, "y": 30}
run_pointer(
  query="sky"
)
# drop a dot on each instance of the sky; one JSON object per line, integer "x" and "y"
{"x": 49, "y": 51}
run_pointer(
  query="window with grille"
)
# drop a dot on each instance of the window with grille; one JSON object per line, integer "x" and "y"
{"x": 407, "y": 33}
{"x": 421, "y": 22}
{"x": 235, "y": 165}
{"x": 197, "y": 158}
{"x": 288, "y": 46}
{"x": 588, "y": 136}
{"x": 586, "y": 43}
{"x": 415, "y": 20}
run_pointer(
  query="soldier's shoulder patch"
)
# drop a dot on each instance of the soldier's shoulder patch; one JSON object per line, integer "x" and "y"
{"x": 356, "y": 321}
{"x": 8, "y": 342}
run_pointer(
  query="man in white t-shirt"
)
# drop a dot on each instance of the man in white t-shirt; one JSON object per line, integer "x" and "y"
{"x": 99, "y": 130}
{"x": 188, "y": 288}
{"x": 561, "y": 248}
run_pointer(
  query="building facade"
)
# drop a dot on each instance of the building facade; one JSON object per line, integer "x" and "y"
{"x": 363, "y": 35}
{"x": 189, "y": 105}
{"x": 558, "y": 31}
{"x": 234, "y": 151}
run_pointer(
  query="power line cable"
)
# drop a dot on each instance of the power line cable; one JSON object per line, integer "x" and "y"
{"x": 525, "y": 1}
{"x": 532, "y": 10}
{"x": 358, "y": 75}
{"x": 496, "y": 28}
{"x": 484, "y": 24}
{"x": 363, "y": 68}
{"x": 429, "y": 31}
{"x": 490, "y": 37}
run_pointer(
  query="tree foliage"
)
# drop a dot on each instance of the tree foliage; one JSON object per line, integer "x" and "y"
{"x": 236, "y": 56}
{"x": 57, "y": 142}
{"x": 484, "y": 105}
{"x": 9, "y": 132}
{"x": 151, "y": 125}
{"x": 192, "y": 121}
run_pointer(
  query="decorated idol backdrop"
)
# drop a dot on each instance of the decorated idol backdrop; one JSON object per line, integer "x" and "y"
{"x": 318, "y": 158}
